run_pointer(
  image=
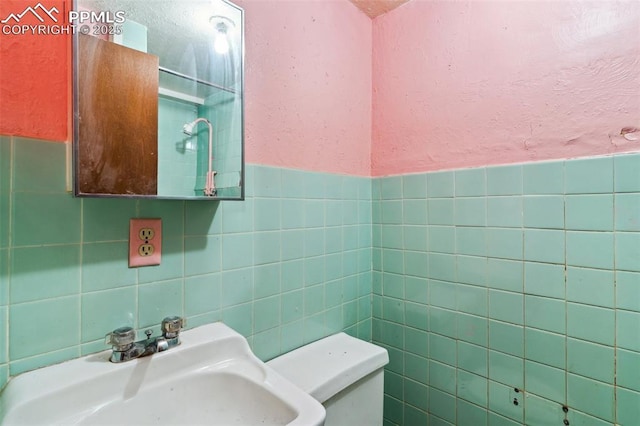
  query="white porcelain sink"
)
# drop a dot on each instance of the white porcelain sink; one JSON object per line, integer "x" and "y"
{"x": 212, "y": 378}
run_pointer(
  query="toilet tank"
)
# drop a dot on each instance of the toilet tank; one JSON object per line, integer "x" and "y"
{"x": 345, "y": 374}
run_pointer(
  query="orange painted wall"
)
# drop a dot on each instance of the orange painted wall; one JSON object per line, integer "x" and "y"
{"x": 35, "y": 77}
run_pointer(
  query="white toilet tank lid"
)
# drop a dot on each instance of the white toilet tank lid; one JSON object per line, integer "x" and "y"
{"x": 327, "y": 366}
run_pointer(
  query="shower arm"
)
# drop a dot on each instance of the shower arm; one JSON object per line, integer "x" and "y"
{"x": 210, "y": 186}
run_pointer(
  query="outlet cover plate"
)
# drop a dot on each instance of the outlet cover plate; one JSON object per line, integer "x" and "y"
{"x": 145, "y": 242}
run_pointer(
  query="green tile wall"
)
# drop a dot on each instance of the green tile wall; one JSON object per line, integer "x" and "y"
{"x": 488, "y": 285}
{"x": 289, "y": 265}
{"x": 514, "y": 282}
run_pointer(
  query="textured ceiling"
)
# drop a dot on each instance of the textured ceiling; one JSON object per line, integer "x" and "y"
{"x": 374, "y": 8}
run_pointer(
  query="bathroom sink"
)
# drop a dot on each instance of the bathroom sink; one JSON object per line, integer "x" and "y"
{"x": 212, "y": 378}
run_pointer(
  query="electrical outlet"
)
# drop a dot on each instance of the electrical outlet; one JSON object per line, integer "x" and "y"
{"x": 145, "y": 242}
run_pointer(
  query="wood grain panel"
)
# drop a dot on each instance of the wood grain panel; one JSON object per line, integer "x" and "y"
{"x": 118, "y": 119}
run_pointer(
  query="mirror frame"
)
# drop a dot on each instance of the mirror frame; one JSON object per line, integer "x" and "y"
{"x": 76, "y": 127}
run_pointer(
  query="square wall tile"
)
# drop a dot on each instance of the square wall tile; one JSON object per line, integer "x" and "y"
{"x": 440, "y": 211}
{"x": 540, "y": 411}
{"x": 469, "y": 414}
{"x": 443, "y": 294}
{"x": 391, "y": 188}
{"x": 293, "y": 183}
{"x": 414, "y": 186}
{"x": 44, "y": 272}
{"x": 443, "y": 405}
{"x": 416, "y": 238}
{"x": 470, "y": 182}
{"x": 237, "y": 287}
{"x": 628, "y": 291}
{"x": 591, "y": 286}
{"x": 591, "y": 360}
{"x": 266, "y": 313}
{"x": 504, "y": 212}
{"x": 206, "y": 218}
{"x": 628, "y": 330}
{"x": 545, "y": 381}
{"x": 470, "y": 211}
{"x": 442, "y": 266}
{"x": 440, "y": 184}
{"x": 500, "y": 401}
{"x": 235, "y": 217}
{"x": 546, "y": 246}
{"x": 443, "y": 349}
{"x": 472, "y": 270}
{"x": 107, "y": 219}
{"x": 267, "y": 182}
{"x": 506, "y": 306}
{"x": 505, "y": 274}
{"x": 504, "y": 180}
{"x": 104, "y": 311}
{"x": 473, "y": 358}
{"x": 507, "y": 338}
{"x": 159, "y": 300}
{"x": 414, "y": 212}
{"x": 543, "y": 178}
{"x": 544, "y": 279}
{"x": 545, "y": 348}
{"x": 627, "y": 212}
{"x": 442, "y": 239}
{"x": 471, "y": 241}
{"x": 591, "y": 397}
{"x": 505, "y": 243}
{"x": 545, "y": 211}
{"x": 202, "y": 294}
{"x": 627, "y": 371}
{"x": 472, "y": 387}
{"x": 544, "y": 313}
{"x": 443, "y": 321}
{"x": 416, "y": 394}
{"x": 627, "y": 173}
{"x": 26, "y": 320}
{"x": 237, "y": 251}
{"x": 506, "y": 369}
{"x": 105, "y": 266}
{"x": 628, "y": 406}
{"x": 591, "y": 323}
{"x": 590, "y": 249}
{"x": 266, "y": 214}
{"x": 627, "y": 251}
{"x": 472, "y": 299}
{"x": 63, "y": 210}
{"x": 391, "y": 212}
{"x": 39, "y": 166}
{"x": 203, "y": 255}
{"x": 473, "y": 329}
{"x": 589, "y": 212}
{"x": 589, "y": 175}
{"x": 442, "y": 376}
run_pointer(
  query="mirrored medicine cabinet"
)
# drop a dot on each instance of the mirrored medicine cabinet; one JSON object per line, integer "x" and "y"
{"x": 158, "y": 99}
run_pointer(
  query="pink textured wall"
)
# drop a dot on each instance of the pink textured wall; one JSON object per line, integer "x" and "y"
{"x": 35, "y": 78}
{"x": 467, "y": 83}
{"x": 308, "y": 85}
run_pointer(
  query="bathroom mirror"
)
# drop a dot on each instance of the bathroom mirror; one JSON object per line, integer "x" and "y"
{"x": 158, "y": 99}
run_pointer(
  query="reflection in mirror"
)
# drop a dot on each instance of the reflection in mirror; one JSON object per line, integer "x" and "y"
{"x": 159, "y": 99}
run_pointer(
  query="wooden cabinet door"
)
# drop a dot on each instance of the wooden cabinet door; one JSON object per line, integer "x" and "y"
{"x": 117, "y": 146}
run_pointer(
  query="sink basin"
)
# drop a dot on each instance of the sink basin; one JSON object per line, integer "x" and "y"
{"x": 212, "y": 378}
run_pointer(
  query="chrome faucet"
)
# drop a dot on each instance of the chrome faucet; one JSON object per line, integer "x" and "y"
{"x": 125, "y": 348}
